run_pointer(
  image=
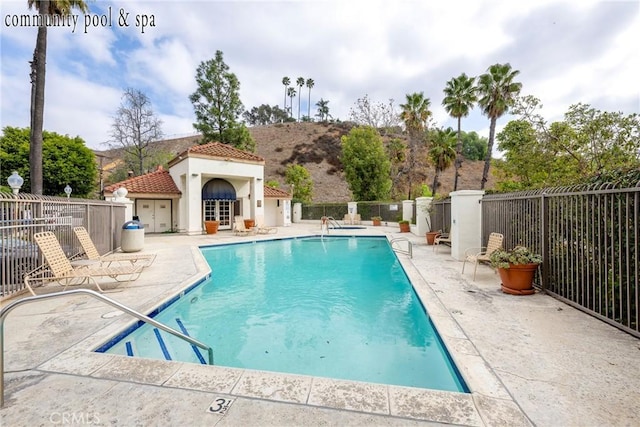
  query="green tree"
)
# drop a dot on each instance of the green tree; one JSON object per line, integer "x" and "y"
{"x": 216, "y": 101}
{"x": 523, "y": 165}
{"x": 366, "y": 165}
{"x": 460, "y": 96}
{"x": 497, "y": 91}
{"x": 415, "y": 115}
{"x": 286, "y": 81}
{"x": 587, "y": 143}
{"x": 397, "y": 153}
{"x": 606, "y": 141}
{"x": 66, "y": 161}
{"x": 240, "y": 137}
{"x": 310, "y": 84}
{"x": 442, "y": 153}
{"x": 300, "y": 180}
{"x": 323, "y": 110}
{"x": 265, "y": 115}
{"x": 299, "y": 83}
{"x": 135, "y": 127}
{"x": 474, "y": 146}
{"x": 47, "y": 10}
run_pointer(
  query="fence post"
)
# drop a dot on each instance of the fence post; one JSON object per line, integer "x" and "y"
{"x": 423, "y": 218}
{"x": 544, "y": 238}
{"x": 466, "y": 222}
{"x": 407, "y": 210}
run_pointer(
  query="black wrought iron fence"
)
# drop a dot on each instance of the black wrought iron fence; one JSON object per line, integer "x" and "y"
{"x": 23, "y": 215}
{"x": 589, "y": 237}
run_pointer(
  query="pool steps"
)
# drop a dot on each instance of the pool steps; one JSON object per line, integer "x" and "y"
{"x": 163, "y": 345}
{"x": 195, "y": 349}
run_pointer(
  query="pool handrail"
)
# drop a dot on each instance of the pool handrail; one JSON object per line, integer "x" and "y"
{"x": 5, "y": 311}
{"x": 333, "y": 222}
{"x": 408, "y": 251}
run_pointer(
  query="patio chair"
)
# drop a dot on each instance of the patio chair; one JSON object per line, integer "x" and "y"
{"x": 92, "y": 253}
{"x": 483, "y": 254}
{"x": 263, "y": 229}
{"x": 349, "y": 219}
{"x": 238, "y": 227}
{"x": 442, "y": 239}
{"x": 61, "y": 270}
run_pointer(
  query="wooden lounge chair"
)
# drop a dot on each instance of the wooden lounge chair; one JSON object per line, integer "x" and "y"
{"x": 483, "y": 254}
{"x": 239, "y": 229}
{"x": 92, "y": 253}
{"x": 62, "y": 271}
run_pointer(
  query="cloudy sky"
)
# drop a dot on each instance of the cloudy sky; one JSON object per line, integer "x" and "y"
{"x": 567, "y": 52}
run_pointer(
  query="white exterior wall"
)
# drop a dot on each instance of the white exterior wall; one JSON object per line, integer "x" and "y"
{"x": 192, "y": 173}
{"x": 297, "y": 212}
{"x": 407, "y": 210}
{"x": 466, "y": 222}
{"x": 423, "y": 223}
{"x": 277, "y": 212}
{"x": 271, "y": 212}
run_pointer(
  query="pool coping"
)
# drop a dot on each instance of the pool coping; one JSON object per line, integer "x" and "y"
{"x": 488, "y": 403}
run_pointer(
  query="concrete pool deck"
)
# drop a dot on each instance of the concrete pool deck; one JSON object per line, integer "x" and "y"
{"x": 528, "y": 360}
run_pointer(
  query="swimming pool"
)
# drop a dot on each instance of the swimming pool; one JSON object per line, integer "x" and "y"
{"x": 338, "y": 307}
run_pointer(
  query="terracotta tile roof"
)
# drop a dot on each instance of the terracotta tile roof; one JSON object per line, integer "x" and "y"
{"x": 218, "y": 150}
{"x": 153, "y": 182}
{"x": 275, "y": 193}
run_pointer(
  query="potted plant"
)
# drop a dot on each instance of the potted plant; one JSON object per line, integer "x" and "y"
{"x": 211, "y": 226}
{"x": 377, "y": 220}
{"x": 431, "y": 236}
{"x": 404, "y": 226}
{"x": 516, "y": 267}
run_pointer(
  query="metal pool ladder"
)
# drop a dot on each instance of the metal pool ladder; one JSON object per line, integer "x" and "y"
{"x": 5, "y": 311}
{"x": 397, "y": 248}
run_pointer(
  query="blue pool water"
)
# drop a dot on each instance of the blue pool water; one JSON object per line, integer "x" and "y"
{"x": 338, "y": 307}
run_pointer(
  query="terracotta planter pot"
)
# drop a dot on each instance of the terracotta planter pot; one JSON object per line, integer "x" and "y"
{"x": 405, "y": 228}
{"x": 211, "y": 226}
{"x": 377, "y": 222}
{"x": 518, "y": 279}
{"x": 249, "y": 223}
{"x": 431, "y": 237}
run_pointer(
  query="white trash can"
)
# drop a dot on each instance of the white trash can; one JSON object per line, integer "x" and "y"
{"x": 132, "y": 238}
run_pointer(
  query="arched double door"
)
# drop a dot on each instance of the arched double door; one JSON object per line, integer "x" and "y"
{"x": 219, "y": 202}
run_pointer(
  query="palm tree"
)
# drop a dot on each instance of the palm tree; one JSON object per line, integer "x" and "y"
{"x": 323, "y": 109}
{"x": 460, "y": 95}
{"x": 310, "y": 84}
{"x": 291, "y": 93}
{"x": 415, "y": 114}
{"x": 442, "y": 153}
{"x": 497, "y": 92}
{"x": 300, "y": 83}
{"x": 38, "y": 73}
{"x": 286, "y": 82}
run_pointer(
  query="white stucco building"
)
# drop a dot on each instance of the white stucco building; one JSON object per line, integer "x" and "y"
{"x": 206, "y": 182}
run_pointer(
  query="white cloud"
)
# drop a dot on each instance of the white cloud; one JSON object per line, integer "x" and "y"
{"x": 350, "y": 48}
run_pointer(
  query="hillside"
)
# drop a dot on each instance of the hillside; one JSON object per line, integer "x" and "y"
{"x": 317, "y": 147}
